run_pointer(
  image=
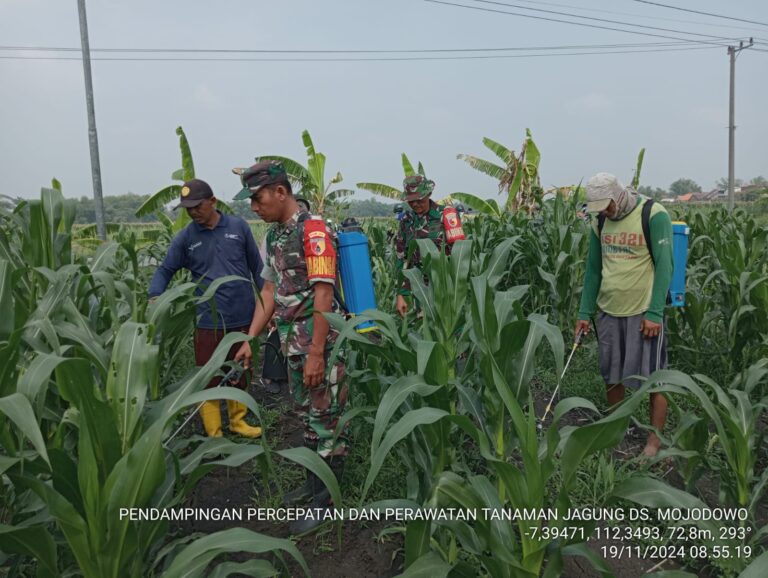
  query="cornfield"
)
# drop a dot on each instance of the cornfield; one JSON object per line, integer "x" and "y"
{"x": 94, "y": 380}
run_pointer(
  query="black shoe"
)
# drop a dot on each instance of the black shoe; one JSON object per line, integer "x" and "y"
{"x": 272, "y": 386}
{"x": 322, "y": 505}
{"x": 302, "y": 493}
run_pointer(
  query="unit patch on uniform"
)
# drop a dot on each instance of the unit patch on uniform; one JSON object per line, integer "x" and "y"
{"x": 452, "y": 224}
{"x": 319, "y": 251}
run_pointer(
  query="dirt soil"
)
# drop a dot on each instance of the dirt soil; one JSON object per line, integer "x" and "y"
{"x": 360, "y": 553}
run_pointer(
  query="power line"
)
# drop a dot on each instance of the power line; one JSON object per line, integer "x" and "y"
{"x": 636, "y": 15}
{"x": 584, "y": 24}
{"x": 605, "y": 20}
{"x": 339, "y": 51}
{"x": 700, "y": 12}
{"x": 374, "y": 59}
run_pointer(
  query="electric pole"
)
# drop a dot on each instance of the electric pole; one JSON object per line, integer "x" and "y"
{"x": 92, "y": 138}
{"x": 732, "y": 52}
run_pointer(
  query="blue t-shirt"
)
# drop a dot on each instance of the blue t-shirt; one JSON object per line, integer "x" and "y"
{"x": 227, "y": 249}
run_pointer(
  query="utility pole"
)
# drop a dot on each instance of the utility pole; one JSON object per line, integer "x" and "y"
{"x": 92, "y": 137}
{"x": 732, "y": 52}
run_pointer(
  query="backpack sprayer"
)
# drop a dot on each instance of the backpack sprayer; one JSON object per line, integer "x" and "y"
{"x": 231, "y": 377}
{"x": 576, "y": 343}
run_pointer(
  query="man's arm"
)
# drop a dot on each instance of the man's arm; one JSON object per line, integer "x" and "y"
{"x": 265, "y": 308}
{"x": 592, "y": 278}
{"x": 314, "y": 368}
{"x": 661, "y": 233}
{"x": 174, "y": 260}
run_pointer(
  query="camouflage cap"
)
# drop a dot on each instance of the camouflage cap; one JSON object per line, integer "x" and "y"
{"x": 259, "y": 175}
{"x": 417, "y": 187}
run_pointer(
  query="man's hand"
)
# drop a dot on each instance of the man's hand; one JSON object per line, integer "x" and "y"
{"x": 244, "y": 355}
{"x": 650, "y": 329}
{"x": 401, "y": 306}
{"x": 152, "y": 300}
{"x": 314, "y": 369}
{"x": 582, "y": 326}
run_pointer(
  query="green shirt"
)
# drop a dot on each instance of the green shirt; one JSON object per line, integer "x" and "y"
{"x": 621, "y": 278}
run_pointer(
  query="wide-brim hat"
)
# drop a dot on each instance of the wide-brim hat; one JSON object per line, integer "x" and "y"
{"x": 417, "y": 187}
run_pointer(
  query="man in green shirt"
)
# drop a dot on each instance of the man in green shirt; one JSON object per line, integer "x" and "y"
{"x": 626, "y": 284}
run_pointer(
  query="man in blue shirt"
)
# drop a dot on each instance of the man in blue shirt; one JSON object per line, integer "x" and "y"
{"x": 215, "y": 245}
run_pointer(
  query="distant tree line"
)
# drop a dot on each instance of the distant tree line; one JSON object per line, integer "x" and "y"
{"x": 683, "y": 186}
{"x": 122, "y": 209}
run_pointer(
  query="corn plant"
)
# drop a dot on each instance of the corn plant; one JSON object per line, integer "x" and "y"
{"x": 730, "y": 452}
{"x": 84, "y": 418}
{"x": 462, "y": 429}
{"x": 725, "y": 321}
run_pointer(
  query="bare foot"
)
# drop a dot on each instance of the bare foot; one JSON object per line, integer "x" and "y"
{"x": 652, "y": 446}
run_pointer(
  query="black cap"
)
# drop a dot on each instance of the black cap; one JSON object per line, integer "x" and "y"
{"x": 259, "y": 175}
{"x": 193, "y": 193}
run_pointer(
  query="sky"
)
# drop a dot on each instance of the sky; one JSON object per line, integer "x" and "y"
{"x": 587, "y": 113}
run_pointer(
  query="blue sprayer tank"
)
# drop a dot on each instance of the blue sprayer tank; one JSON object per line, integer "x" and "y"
{"x": 356, "y": 276}
{"x": 680, "y": 233}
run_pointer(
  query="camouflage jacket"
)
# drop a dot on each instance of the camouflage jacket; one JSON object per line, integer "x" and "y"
{"x": 286, "y": 267}
{"x": 412, "y": 227}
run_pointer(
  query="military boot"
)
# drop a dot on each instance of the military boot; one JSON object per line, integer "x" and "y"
{"x": 301, "y": 494}
{"x": 321, "y": 503}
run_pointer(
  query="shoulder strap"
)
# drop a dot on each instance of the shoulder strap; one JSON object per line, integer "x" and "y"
{"x": 600, "y": 223}
{"x": 646, "y": 222}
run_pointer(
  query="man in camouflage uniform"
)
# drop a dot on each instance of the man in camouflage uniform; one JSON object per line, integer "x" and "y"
{"x": 425, "y": 220}
{"x": 299, "y": 277}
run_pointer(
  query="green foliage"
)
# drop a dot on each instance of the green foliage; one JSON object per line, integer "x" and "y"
{"x": 310, "y": 180}
{"x": 636, "y": 177}
{"x": 388, "y": 191}
{"x": 684, "y": 186}
{"x": 80, "y": 360}
{"x": 518, "y": 175}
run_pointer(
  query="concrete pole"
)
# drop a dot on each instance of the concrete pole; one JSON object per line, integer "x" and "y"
{"x": 732, "y": 52}
{"x": 731, "y": 129}
{"x": 93, "y": 140}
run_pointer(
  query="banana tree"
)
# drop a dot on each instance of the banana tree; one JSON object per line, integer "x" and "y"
{"x": 389, "y": 191}
{"x": 171, "y": 193}
{"x": 310, "y": 180}
{"x": 518, "y": 175}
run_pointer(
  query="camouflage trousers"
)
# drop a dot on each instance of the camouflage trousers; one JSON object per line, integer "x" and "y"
{"x": 320, "y": 406}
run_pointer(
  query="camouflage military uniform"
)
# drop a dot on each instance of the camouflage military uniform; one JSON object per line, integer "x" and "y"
{"x": 319, "y": 406}
{"x": 430, "y": 226}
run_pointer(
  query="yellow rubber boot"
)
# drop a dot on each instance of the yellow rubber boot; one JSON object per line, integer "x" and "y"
{"x": 210, "y": 413}
{"x": 237, "y": 421}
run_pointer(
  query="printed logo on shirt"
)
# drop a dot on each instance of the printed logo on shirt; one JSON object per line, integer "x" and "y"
{"x": 234, "y": 236}
{"x": 194, "y": 246}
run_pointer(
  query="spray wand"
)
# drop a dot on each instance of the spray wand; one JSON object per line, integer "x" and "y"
{"x": 232, "y": 377}
{"x": 576, "y": 343}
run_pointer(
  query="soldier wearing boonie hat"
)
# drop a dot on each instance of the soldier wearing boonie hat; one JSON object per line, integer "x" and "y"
{"x": 212, "y": 246}
{"x": 625, "y": 288}
{"x": 299, "y": 278}
{"x": 425, "y": 220}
